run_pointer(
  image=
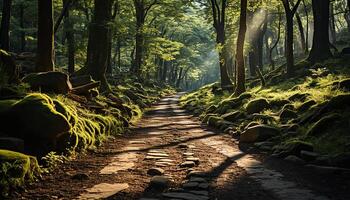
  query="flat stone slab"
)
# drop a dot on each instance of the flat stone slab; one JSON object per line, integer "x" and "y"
{"x": 137, "y": 142}
{"x": 188, "y": 154}
{"x": 153, "y": 158}
{"x": 188, "y": 164}
{"x": 114, "y": 167}
{"x": 185, "y": 196}
{"x": 196, "y": 160}
{"x": 158, "y": 154}
{"x": 155, "y": 171}
{"x": 103, "y": 190}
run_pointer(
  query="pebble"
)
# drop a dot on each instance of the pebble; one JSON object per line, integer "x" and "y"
{"x": 196, "y": 160}
{"x": 188, "y": 164}
{"x": 155, "y": 171}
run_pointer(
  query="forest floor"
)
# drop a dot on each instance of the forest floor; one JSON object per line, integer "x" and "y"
{"x": 192, "y": 161}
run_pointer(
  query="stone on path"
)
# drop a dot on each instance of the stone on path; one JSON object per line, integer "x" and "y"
{"x": 117, "y": 166}
{"x": 155, "y": 171}
{"x": 195, "y": 160}
{"x": 185, "y": 196}
{"x": 158, "y": 154}
{"x": 103, "y": 190}
{"x": 188, "y": 164}
{"x": 188, "y": 154}
{"x": 137, "y": 142}
{"x": 160, "y": 182}
{"x": 196, "y": 174}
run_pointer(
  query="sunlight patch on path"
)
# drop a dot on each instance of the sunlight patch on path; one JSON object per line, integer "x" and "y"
{"x": 269, "y": 179}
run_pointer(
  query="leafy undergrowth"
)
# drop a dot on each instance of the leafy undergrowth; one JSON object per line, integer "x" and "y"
{"x": 56, "y": 127}
{"x": 310, "y": 112}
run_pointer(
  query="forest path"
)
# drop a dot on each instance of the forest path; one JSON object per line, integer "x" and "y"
{"x": 190, "y": 158}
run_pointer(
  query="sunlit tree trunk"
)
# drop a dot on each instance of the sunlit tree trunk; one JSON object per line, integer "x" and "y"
{"x": 240, "y": 69}
{"x": 301, "y": 33}
{"x": 332, "y": 31}
{"x": 45, "y": 47}
{"x": 219, "y": 15}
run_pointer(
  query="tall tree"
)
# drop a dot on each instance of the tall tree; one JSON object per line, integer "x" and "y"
{"x": 45, "y": 46}
{"x": 219, "y": 15}
{"x": 69, "y": 34}
{"x": 240, "y": 69}
{"x": 320, "y": 50}
{"x": 5, "y": 25}
{"x": 99, "y": 33}
{"x": 141, "y": 11}
{"x": 289, "y": 12}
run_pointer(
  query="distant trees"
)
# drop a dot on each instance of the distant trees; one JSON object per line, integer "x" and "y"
{"x": 45, "y": 44}
{"x": 5, "y": 25}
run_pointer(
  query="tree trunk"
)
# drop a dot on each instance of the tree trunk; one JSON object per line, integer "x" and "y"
{"x": 69, "y": 30}
{"x": 320, "y": 50}
{"x": 139, "y": 39}
{"x": 289, "y": 44}
{"x": 45, "y": 48}
{"x": 240, "y": 69}
{"x": 347, "y": 15}
{"x": 301, "y": 31}
{"x": 23, "y": 33}
{"x": 5, "y": 25}
{"x": 97, "y": 57}
{"x": 307, "y": 28}
{"x": 332, "y": 32}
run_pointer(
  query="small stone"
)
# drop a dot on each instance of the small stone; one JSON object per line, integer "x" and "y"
{"x": 165, "y": 160}
{"x": 295, "y": 159}
{"x": 203, "y": 186}
{"x": 202, "y": 192}
{"x": 198, "y": 179}
{"x": 195, "y": 174}
{"x": 183, "y": 146}
{"x": 188, "y": 154}
{"x": 155, "y": 171}
{"x": 160, "y": 182}
{"x": 188, "y": 164}
{"x": 158, "y": 154}
{"x": 137, "y": 142}
{"x": 190, "y": 185}
{"x": 308, "y": 155}
{"x": 196, "y": 160}
{"x": 80, "y": 176}
{"x": 185, "y": 196}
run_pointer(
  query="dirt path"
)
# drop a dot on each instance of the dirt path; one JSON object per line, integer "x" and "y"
{"x": 192, "y": 161}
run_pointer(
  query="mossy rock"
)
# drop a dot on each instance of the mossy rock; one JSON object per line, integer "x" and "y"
{"x": 344, "y": 84}
{"x": 287, "y": 114}
{"x": 307, "y": 105}
{"x": 257, "y": 105}
{"x": 16, "y": 169}
{"x": 258, "y": 133}
{"x": 293, "y": 147}
{"x": 206, "y": 117}
{"x": 36, "y": 117}
{"x": 233, "y": 116}
{"x": 9, "y": 71}
{"x": 49, "y": 82}
{"x": 213, "y": 121}
{"x": 279, "y": 102}
{"x": 265, "y": 118}
{"x": 324, "y": 123}
{"x": 298, "y": 97}
{"x": 211, "y": 109}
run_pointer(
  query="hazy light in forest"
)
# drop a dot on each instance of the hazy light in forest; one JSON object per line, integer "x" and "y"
{"x": 255, "y": 24}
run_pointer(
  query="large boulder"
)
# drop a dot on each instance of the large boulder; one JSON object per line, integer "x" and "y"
{"x": 8, "y": 69}
{"x": 34, "y": 117}
{"x": 233, "y": 116}
{"x": 257, "y": 105}
{"x": 292, "y": 148}
{"x": 258, "y": 133}
{"x": 323, "y": 124}
{"x": 49, "y": 82}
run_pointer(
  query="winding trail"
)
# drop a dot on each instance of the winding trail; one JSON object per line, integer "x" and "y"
{"x": 193, "y": 161}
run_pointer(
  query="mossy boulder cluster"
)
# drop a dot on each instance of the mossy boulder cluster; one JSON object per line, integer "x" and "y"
{"x": 304, "y": 118}
{"x": 35, "y": 123}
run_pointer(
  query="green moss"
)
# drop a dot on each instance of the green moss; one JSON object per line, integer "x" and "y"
{"x": 16, "y": 169}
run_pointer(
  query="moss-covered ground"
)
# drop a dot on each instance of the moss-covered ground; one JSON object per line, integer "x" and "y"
{"x": 312, "y": 107}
